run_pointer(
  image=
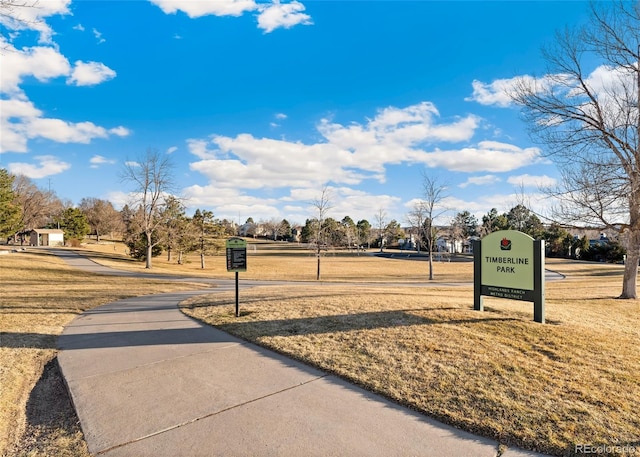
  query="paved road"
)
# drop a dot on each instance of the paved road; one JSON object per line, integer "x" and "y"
{"x": 419, "y": 257}
{"x": 146, "y": 380}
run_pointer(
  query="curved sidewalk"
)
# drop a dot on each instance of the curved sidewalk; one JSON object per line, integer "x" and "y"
{"x": 146, "y": 380}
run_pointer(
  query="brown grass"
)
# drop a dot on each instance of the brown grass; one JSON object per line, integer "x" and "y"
{"x": 498, "y": 373}
{"x": 292, "y": 262}
{"x": 40, "y": 295}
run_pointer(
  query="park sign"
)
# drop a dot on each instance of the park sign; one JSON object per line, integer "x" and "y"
{"x": 236, "y": 262}
{"x": 236, "y": 254}
{"x": 509, "y": 264}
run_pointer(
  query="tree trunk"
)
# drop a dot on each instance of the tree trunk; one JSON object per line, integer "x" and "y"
{"x": 179, "y": 257}
{"x": 318, "y": 271}
{"x": 202, "y": 260}
{"x": 430, "y": 249}
{"x": 630, "y": 278}
{"x": 168, "y": 253}
{"x": 149, "y": 250}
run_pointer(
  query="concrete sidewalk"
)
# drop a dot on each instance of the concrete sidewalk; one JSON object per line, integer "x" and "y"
{"x": 146, "y": 380}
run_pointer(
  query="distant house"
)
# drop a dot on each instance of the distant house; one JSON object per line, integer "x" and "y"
{"x": 46, "y": 237}
{"x": 296, "y": 233}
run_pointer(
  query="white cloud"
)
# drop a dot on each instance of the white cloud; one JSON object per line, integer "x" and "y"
{"x": 41, "y": 62}
{"x": 230, "y": 203}
{"x": 64, "y": 132}
{"x": 45, "y": 63}
{"x": 350, "y": 154}
{"x": 206, "y": 7}
{"x": 270, "y": 16}
{"x": 120, "y": 131}
{"x": 199, "y": 149}
{"x": 33, "y": 17}
{"x": 487, "y": 156}
{"x": 47, "y": 166}
{"x": 527, "y": 180}
{"x": 79, "y": 27}
{"x": 499, "y": 92}
{"x": 98, "y": 160}
{"x": 482, "y": 204}
{"x": 278, "y": 116}
{"x": 480, "y": 181}
{"x": 17, "y": 109}
{"x": 118, "y": 199}
{"x": 286, "y": 15}
{"x": 90, "y": 73}
{"x": 172, "y": 149}
{"x": 607, "y": 82}
{"x": 98, "y": 36}
{"x": 21, "y": 121}
{"x": 494, "y": 93}
{"x": 400, "y": 131}
{"x": 537, "y": 202}
{"x": 362, "y": 205}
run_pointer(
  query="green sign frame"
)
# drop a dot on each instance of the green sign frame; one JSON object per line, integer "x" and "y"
{"x": 510, "y": 264}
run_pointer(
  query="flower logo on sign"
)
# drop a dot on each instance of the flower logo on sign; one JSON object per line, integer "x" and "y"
{"x": 505, "y": 244}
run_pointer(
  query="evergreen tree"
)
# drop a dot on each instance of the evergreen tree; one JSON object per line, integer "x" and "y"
{"x": 394, "y": 232}
{"x": 492, "y": 222}
{"x": 173, "y": 215}
{"x": 285, "y": 230}
{"x": 203, "y": 222}
{"x": 364, "y": 232}
{"x": 10, "y": 212}
{"x": 74, "y": 224}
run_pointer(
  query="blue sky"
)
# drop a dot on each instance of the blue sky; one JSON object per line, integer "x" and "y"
{"x": 261, "y": 105}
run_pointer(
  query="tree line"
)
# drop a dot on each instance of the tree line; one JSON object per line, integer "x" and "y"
{"x": 25, "y": 206}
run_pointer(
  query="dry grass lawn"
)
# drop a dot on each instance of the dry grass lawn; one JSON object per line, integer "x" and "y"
{"x": 40, "y": 295}
{"x": 291, "y": 262}
{"x": 499, "y": 374}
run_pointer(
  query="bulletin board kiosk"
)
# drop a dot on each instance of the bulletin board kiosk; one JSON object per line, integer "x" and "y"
{"x": 236, "y": 262}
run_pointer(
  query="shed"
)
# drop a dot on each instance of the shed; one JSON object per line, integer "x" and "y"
{"x": 46, "y": 237}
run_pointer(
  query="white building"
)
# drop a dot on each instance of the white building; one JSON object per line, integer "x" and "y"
{"x": 46, "y": 237}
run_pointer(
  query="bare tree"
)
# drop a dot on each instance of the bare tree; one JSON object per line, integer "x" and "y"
{"x": 416, "y": 219}
{"x": 152, "y": 180}
{"x": 38, "y": 206}
{"x": 590, "y": 121}
{"x": 273, "y": 227}
{"x": 12, "y": 13}
{"x": 349, "y": 229}
{"x": 321, "y": 206}
{"x": 102, "y": 216}
{"x": 381, "y": 223}
{"x": 433, "y": 192}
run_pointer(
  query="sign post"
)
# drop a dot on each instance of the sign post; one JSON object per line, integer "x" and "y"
{"x": 236, "y": 262}
{"x": 509, "y": 264}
